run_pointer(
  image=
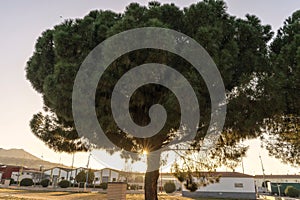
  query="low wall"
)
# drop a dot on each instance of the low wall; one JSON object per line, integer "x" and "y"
{"x": 267, "y": 197}
{"x": 225, "y": 195}
{"x": 116, "y": 191}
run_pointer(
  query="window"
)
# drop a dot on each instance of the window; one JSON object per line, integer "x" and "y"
{"x": 114, "y": 180}
{"x": 238, "y": 185}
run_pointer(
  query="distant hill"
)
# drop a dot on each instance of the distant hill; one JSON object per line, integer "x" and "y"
{"x": 22, "y": 157}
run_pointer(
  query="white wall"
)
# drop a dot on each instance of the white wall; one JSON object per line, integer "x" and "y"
{"x": 114, "y": 176}
{"x": 259, "y": 181}
{"x": 111, "y": 174}
{"x": 34, "y": 177}
{"x": 57, "y": 172}
{"x": 97, "y": 176}
{"x": 227, "y": 184}
{"x": 14, "y": 175}
{"x": 73, "y": 173}
{"x": 105, "y": 172}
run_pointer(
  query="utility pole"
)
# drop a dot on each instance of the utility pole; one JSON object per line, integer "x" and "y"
{"x": 161, "y": 174}
{"x": 72, "y": 170}
{"x": 263, "y": 170}
{"x": 87, "y": 172}
{"x": 21, "y": 170}
{"x": 243, "y": 166}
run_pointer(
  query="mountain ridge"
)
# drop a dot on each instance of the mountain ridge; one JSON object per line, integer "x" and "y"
{"x": 20, "y": 157}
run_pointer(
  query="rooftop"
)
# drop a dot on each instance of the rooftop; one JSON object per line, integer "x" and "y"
{"x": 278, "y": 176}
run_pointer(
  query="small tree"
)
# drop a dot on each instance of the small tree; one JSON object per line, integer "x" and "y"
{"x": 64, "y": 184}
{"x": 45, "y": 182}
{"x": 81, "y": 176}
{"x": 170, "y": 187}
{"x": 291, "y": 191}
{"x": 26, "y": 182}
{"x": 103, "y": 186}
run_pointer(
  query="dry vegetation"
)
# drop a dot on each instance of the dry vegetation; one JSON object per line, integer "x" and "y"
{"x": 11, "y": 194}
{"x": 14, "y": 194}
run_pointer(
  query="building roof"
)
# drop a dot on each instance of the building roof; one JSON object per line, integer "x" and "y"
{"x": 15, "y": 167}
{"x": 227, "y": 174}
{"x": 221, "y": 174}
{"x": 33, "y": 171}
{"x": 278, "y": 176}
{"x": 62, "y": 168}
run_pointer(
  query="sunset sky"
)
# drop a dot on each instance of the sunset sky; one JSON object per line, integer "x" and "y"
{"x": 22, "y": 22}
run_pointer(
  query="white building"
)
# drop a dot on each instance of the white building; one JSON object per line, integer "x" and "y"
{"x": 35, "y": 175}
{"x": 288, "y": 178}
{"x": 273, "y": 180}
{"x": 165, "y": 178}
{"x": 231, "y": 185}
{"x": 57, "y": 174}
{"x": 108, "y": 175}
{"x": 73, "y": 173}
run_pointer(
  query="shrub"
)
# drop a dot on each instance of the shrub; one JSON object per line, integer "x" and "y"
{"x": 64, "y": 184}
{"x": 74, "y": 184}
{"x": 12, "y": 181}
{"x": 103, "y": 186}
{"x": 98, "y": 186}
{"x": 45, "y": 182}
{"x": 26, "y": 182}
{"x": 291, "y": 191}
{"x": 191, "y": 186}
{"x": 133, "y": 187}
{"x": 170, "y": 187}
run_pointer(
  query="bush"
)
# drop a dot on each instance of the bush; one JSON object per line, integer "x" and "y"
{"x": 26, "y": 182}
{"x": 74, "y": 184}
{"x": 103, "y": 186}
{"x": 191, "y": 186}
{"x": 98, "y": 186}
{"x": 12, "y": 181}
{"x": 291, "y": 191}
{"x": 133, "y": 187}
{"x": 64, "y": 184}
{"x": 170, "y": 187}
{"x": 45, "y": 182}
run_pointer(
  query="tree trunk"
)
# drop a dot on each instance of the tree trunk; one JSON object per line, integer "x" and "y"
{"x": 151, "y": 176}
{"x": 151, "y": 185}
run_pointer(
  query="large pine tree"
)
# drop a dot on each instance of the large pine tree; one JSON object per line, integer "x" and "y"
{"x": 238, "y": 47}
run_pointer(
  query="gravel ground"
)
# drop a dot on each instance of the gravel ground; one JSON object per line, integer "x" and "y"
{"x": 13, "y": 194}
